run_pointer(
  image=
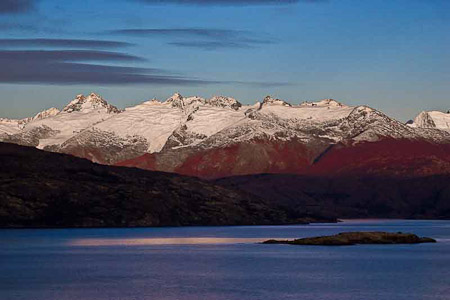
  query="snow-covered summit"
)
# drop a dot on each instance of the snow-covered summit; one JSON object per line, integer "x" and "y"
{"x": 268, "y": 100}
{"x": 178, "y": 101}
{"x": 312, "y": 112}
{"x": 91, "y": 102}
{"x": 175, "y": 98}
{"x": 152, "y": 123}
{"x": 221, "y": 101}
{"x": 79, "y": 114}
{"x": 324, "y": 102}
{"x": 432, "y": 119}
{"x": 182, "y": 103}
{"x": 14, "y": 126}
{"x": 9, "y": 126}
{"x": 46, "y": 114}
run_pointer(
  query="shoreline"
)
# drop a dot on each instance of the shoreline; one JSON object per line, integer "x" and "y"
{"x": 339, "y": 221}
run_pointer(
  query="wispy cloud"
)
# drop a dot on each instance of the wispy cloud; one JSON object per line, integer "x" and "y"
{"x": 66, "y": 55}
{"x": 90, "y": 64}
{"x": 8, "y": 26}
{"x": 263, "y": 84}
{"x": 213, "y": 45}
{"x": 227, "y": 2}
{"x": 70, "y": 67}
{"x": 62, "y": 43}
{"x": 16, "y": 6}
{"x": 178, "y": 32}
{"x": 201, "y": 38}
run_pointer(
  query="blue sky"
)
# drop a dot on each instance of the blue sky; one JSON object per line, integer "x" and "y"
{"x": 393, "y": 55}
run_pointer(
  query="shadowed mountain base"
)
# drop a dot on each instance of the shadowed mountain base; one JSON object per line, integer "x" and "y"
{"x": 426, "y": 197}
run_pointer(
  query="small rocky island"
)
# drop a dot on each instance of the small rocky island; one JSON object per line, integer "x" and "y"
{"x": 356, "y": 238}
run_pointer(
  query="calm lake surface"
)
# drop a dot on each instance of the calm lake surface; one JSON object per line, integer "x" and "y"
{"x": 222, "y": 263}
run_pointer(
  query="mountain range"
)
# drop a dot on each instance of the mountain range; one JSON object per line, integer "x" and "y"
{"x": 220, "y": 137}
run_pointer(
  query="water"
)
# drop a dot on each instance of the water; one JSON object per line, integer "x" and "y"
{"x": 222, "y": 263}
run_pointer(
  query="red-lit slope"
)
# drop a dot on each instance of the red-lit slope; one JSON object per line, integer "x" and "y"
{"x": 386, "y": 157}
{"x": 251, "y": 157}
{"x": 248, "y": 158}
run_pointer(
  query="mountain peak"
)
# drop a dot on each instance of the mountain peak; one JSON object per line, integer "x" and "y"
{"x": 221, "y": 101}
{"x": 39, "y": 116}
{"x": 424, "y": 120}
{"x": 268, "y": 100}
{"x": 433, "y": 119}
{"x": 175, "y": 97}
{"x": 94, "y": 95}
{"x": 46, "y": 113}
{"x": 182, "y": 102}
{"x": 330, "y": 102}
{"x": 324, "y": 102}
{"x": 89, "y": 103}
{"x": 176, "y": 100}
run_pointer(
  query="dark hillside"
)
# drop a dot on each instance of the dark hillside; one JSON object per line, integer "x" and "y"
{"x": 44, "y": 189}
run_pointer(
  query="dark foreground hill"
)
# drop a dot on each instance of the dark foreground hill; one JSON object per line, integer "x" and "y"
{"x": 44, "y": 189}
{"x": 352, "y": 196}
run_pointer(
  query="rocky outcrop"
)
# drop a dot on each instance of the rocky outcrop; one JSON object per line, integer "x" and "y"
{"x": 357, "y": 238}
{"x": 221, "y": 101}
{"x": 92, "y": 101}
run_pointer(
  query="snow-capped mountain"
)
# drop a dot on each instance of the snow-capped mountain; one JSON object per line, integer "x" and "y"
{"x": 51, "y": 128}
{"x": 45, "y": 114}
{"x": 433, "y": 119}
{"x": 9, "y": 126}
{"x": 13, "y": 126}
{"x": 275, "y": 137}
{"x": 219, "y": 136}
{"x": 152, "y": 125}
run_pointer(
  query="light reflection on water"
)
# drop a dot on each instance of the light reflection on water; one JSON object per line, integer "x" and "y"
{"x": 162, "y": 241}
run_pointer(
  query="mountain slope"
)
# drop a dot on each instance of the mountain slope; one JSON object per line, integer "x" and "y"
{"x": 39, "y": 188}
{"x": 388, "y": 158}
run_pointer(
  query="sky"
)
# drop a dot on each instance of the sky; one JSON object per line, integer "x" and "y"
{"x": 392, "y": 55}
